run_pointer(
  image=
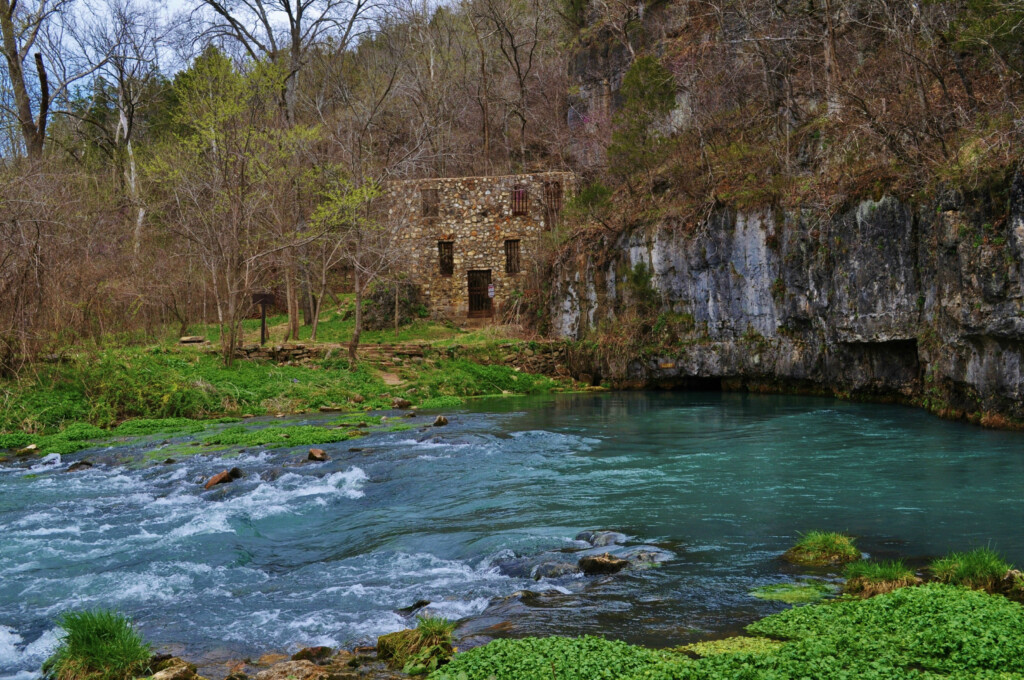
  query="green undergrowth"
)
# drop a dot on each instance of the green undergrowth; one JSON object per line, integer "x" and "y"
{"x": 795, "y": 593}
{"x": 583, "y": 658}
{"x": 927, "y": 632}
{"x": 97, "y": 645}
{"x": 822, "y": 548}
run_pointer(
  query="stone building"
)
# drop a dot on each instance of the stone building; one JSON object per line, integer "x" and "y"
{"x": 471, "y": 240}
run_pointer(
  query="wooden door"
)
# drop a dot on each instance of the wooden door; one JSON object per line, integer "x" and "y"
{"x": 479, "y": 281}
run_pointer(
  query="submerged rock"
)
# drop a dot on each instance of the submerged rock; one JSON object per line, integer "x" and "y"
{"x": 80, "y": 465}
{"x": 271, "y": 659}
{"x": 318, "y": 653}
{"x": 554, "y": 570}
{"x": 318, "y": 455}
{"x": 413, "y": 608}
{"x": 605, "y": 563}
{"x": 601, "y": 538}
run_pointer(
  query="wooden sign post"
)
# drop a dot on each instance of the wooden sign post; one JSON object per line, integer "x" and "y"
{"x": 263, "y": 299}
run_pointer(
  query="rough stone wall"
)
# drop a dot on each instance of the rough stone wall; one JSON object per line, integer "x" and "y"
{"x": 475, "y": 213}
{"x": 924, "y": 304}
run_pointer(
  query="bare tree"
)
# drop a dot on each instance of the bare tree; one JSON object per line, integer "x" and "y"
{"x": 46, "y": 31}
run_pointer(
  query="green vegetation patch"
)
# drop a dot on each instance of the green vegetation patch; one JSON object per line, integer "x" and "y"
{"x": 434, "y": 403}
{"x": 981, "y": 569}
{"x": 420, "y": 650}
{"x": 276, "y": 436}
{"x": 97, "y": 645}
{"x": 738, "y": 644}
{"x": 804, "y": 592}
{"x": 868, "y": 579}
{"x": 822, "y": 548}
{"x": 545, "y": 658}
{"x": 931, "y": 631}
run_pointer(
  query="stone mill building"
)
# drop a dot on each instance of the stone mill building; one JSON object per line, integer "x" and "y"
{"x": 471, "y": 241}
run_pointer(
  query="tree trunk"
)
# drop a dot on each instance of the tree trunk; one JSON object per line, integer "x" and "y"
{"x": 353, "y": 345}
{"x": 33, "y": 132}
{"x": 292, "y": 296}
{"x": 396, "y": 310}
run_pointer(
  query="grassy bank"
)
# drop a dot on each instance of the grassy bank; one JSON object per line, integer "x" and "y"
{"x": 123, "y": 391}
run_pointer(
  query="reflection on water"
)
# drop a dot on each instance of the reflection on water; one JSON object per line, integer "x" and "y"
{"x": 325, "y": 553}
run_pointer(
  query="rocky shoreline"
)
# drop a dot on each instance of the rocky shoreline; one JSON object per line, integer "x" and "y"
{"x": 597, "y": 553}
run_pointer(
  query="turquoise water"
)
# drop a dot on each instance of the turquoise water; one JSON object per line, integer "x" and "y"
{"x": 298, "y": 554}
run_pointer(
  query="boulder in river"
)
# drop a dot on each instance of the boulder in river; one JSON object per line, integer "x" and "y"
{"x": 225, "y": 477}
{"x": 319, "y": 455}
{"x": 314, "y": 654}
{"x": 293, "y": 670}
{"x": 605, "y": 563}
{"x": 440, "y": 421}
{"x": 80, "y": 465}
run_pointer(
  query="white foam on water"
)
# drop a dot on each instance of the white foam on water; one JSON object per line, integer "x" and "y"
{"x": 48, "y": 462}
{"x": 457, "y": 609}
{"x": 9, "y": 641}
{"x": 21, "y": 675}
{"x": 16, "y": 656}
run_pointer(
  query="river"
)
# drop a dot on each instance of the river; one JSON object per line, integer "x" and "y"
{"x": 326, "y": 553}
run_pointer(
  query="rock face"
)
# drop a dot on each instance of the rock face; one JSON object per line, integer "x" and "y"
{"x": 602, "y": 564}
{"x": 176, "y": 669}
{"x": 312, "y": 654}
{"x": 293, "y": 670}
{"x": 917, "y": 303}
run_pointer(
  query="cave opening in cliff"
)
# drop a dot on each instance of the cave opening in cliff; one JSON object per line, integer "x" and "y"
{"x": 697, "y": 384}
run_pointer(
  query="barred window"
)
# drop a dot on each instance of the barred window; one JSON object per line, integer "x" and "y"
{"x": 552, "y": 203}
{"x": 512, "y": 264}
{"x": 520, "y": 200}
{"x": 430, "y": 202}
{"x": 446, "y": 257}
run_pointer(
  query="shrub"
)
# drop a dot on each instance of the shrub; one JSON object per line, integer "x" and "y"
{"x": 822, "y": 548}
{"x": 868, "y": 579}
{"x": 419, "y": 650}
{"x": 980, "y": 569}
{"x": 97, "y": 645}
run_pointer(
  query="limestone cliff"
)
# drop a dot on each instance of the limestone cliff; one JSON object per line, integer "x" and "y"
{"x": 924, "y": 304}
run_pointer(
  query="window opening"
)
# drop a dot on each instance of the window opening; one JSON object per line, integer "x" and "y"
{"x": 512, "y": 264}
{"x": 446, "y": 257}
